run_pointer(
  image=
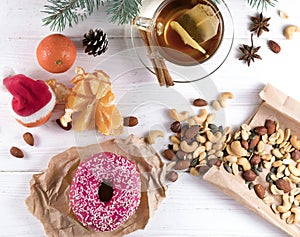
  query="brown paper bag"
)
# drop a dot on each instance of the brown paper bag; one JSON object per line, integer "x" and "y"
{"x": 49, "y": 191}
{"x": 285, "y": 110}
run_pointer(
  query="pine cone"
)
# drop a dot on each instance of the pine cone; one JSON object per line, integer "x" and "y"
{"x": 95, "y": 42}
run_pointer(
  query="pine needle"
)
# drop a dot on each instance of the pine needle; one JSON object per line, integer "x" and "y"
{"x": 261, "y": 3}
{"x": 63, "y": 13}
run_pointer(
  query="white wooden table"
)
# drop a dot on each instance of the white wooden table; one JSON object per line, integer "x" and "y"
{"x": 192, "y": 207}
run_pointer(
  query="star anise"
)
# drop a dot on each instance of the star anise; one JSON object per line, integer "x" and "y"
{"x": 250, "y": 52}
{"x": 260, "y": 24}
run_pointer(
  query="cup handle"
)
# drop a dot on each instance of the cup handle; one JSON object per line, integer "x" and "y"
{"x": 143, "y": 23}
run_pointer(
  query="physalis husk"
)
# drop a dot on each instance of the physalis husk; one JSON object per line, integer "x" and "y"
{"x": 92, "y": 103}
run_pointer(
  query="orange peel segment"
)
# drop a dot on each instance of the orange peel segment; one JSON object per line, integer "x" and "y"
{"x": 93, "y": 103}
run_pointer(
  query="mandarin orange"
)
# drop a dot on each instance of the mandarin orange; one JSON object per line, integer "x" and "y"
{"x": 56, "y": 53}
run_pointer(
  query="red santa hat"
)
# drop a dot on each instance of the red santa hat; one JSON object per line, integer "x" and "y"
{"x": 32, "y": 100}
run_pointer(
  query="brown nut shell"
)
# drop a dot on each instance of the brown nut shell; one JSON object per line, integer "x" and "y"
{"x": 28, "y": 138}
{"x": 16, "y": 152}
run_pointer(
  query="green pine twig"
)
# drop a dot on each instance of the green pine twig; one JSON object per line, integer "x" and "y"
{"x": 62, "y": 13}
{"x": 123, "y": 11}
{"x": 261, "y": 3}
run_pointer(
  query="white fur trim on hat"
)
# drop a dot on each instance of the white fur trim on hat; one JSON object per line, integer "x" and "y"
{"x": 4, "y": 73}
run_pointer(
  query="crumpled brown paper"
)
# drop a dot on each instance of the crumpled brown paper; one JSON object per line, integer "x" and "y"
{"x": 285, "y": 110}
{"x": 49, "y": 191}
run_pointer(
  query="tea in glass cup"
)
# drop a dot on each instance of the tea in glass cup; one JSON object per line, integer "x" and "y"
{"x": 187, "y": 32}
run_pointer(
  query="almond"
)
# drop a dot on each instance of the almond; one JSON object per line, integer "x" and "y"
{"x": 275, "y": 47}
{"x": 182, "y": 165}
{"x": 200, "y": 102}
{"x": 16, "y": 152}
{"x": 259, "y": 190}
{"x": 130, "y": 121}
{"x": 254, "y": 142}
{"x": 28, "y": 138}
{"x": 283, "y": 185}
{"x": 191, "y": 132}
{"x": 245, "y": 144}
{"x": 261, "y": 130}
{"x": 169, "y": 154}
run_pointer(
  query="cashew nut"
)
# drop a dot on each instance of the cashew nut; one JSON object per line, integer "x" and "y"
{"x": 260, "y": 146}
{"x": 174, "y": 139}
{"x": 244, "y": 162}
{"x": 275, "y": 191}
{"x": 274, "y": 208}
{"x": 295, "y": 142}
{"x": 289, "y": 31}
{"x": 280, "y": 137}
{"x": 201, "y": 117}
{"x": 200, "y": 139}
{"x": 283, "y": 14}
{"x": 294, "y": 192}
{"x": 198, "y": 150}
{"x": 285, "y": 215}
{"x": 214, "y": 138}
{"x": 235, "y": 168}
{"x": 294, "y": 170}
{"x": 216, "y": 105}
{"x": 188, "y": 148}
{"x": 294, "y": 179}
{"x": 180, "y": 117}
{"x": 290, "y": 219}
{"x": 231, "y": 158}
{"x": 286, "y": 205}
{"x": 268, "y": 200}
{"x": 153, "y": 135}
{"x": 237, "y": 149}
{"x": 296, "y": 212}
{"x": 210, "y": 117}
{"x": 224, "y": 96}
{"x": 287, "y": 134}
{"x": 276, "y": 153}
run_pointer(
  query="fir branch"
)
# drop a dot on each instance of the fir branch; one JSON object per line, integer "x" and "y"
{"x": 63, "y": 12}
{"x": 123, "y": 11}
{"x": 261, "y": 3}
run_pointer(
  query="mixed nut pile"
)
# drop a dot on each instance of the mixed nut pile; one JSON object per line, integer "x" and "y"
{"x": 197, "y": 143}
{"x": 265, "y": 151}
{"x": 274, "y": 154}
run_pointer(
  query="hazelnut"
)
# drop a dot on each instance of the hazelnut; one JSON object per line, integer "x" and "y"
{"x": 175, "y": 127}
{"x": 130, "y": 121}
{"x": 172, "y": 176}
{"x": 271, "y": 126}
{"x": 249, "y": 175}
{"x": 255, "y": 160}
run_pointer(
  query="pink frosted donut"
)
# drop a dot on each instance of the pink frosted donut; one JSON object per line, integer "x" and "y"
{"x": 105, "y": 191}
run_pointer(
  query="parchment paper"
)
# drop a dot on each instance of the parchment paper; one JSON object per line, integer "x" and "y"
{"x": 285, "y": 110}
{"x": 49, "y": 191}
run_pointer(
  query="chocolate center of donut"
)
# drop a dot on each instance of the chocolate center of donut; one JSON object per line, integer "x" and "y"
{"x": 105, "y": 192}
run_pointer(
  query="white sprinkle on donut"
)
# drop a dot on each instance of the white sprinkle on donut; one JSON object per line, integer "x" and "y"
{"x": 124, "y": 178}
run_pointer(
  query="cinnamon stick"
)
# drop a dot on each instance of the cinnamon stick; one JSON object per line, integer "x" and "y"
{"x": 162, "y": 73}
